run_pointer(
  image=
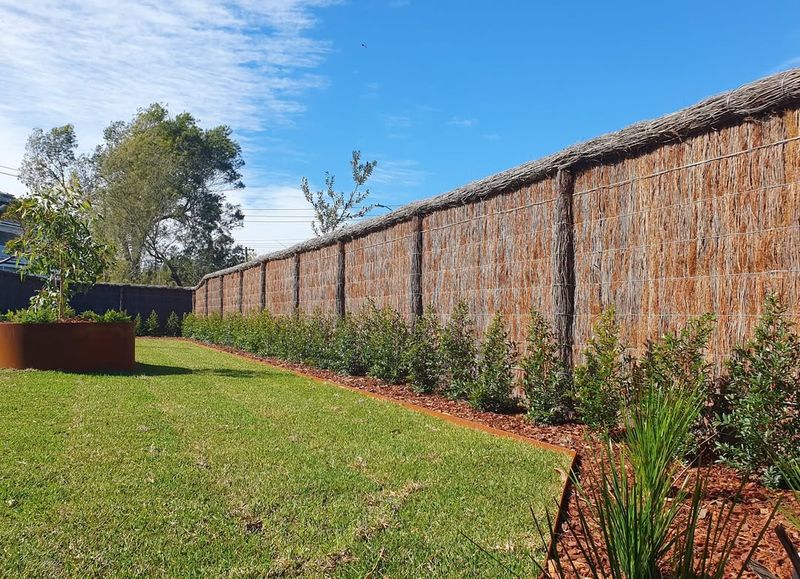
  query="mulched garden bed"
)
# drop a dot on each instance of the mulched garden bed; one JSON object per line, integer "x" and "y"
{"x": 756, "y": 501}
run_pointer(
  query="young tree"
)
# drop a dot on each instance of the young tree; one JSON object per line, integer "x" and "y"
{"x": 57, "y": 243}
{"x": 332, "y": 208}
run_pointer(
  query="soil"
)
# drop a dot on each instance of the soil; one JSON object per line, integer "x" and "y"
{"x": 754, "y": 505}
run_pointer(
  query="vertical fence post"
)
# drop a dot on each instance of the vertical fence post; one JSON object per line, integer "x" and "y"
{"x": 416, "y": 269}
{"x": 121, "y": 297}
{"x": 563, "y": 250}
{"x": 262, "y": 304}
{"x": 241, "y": 291}
{"x": 221, "y": 295}
{"x": 296, "y": 286}
{"x": 205, "y": 305}
{"x": 340, "y": 303}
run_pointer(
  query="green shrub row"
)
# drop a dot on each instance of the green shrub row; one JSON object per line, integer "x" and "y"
{"x": 749, "y": 418}
{"x": 49, "y": 316}
{"x": 151, "y": 326}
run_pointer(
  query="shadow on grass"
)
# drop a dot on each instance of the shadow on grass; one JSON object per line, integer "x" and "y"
{"x": 160, "y": 370}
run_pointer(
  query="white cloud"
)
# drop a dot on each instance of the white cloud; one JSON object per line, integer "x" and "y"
{"x": 460, "y": 122}
{"x": 393, "y": 174}
{"x": 244, "y": 63}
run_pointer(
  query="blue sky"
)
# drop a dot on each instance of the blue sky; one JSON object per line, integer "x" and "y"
{"x": 444, "y": 92}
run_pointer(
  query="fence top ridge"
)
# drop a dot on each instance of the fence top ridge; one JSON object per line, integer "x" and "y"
{"x": 761, "y": 97}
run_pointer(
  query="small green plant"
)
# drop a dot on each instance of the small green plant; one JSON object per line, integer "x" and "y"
{"x": 493, "y": 390}
{"x": 57, "y": 244}
{"x": 422, "y": 355}
{"x": 545, "y": 380}
{"x": 33, "y": 316}
{"x": 173, "y": 325}
{"x": 138, "y": 326}
{"x": 459, "y": 352}
{"x": 152, "y": 326}
{"x": 601, "y": 381}
{"x": 109, "y": 317}
{"x": 387, "y": 338}
{"x": 762, "y": 395}
{"x": 350, "y": 345}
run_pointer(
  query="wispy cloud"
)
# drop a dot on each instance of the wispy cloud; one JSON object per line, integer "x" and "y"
{"x": 462, "y": 122}
{"x": 393, "y": 174}
{"x": 89, "y": 62}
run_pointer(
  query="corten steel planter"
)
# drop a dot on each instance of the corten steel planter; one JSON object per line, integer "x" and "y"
{"x": 72, "y": 346}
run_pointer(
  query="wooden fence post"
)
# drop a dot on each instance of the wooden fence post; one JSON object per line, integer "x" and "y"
{"x": 416, "y": 269}
{"x": 296, "y": 288}
{"x": 241, "y": 291}
{"x": 263, "y": 292}
{"x": 221, "y": 279}
{"x": 122, "y": 298}
{"x": 563, "y": 250}
{"x": 205, "y": 305}
{"x": 340, "y": 304}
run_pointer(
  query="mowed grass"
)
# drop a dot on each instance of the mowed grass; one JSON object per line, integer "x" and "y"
{"x": 205, "y": 464}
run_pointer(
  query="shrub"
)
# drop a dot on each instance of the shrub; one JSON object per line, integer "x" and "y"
{"x": 422, "y": 355}
{"x": 545, "y": 380}
{"x": 601, "y": 381}
{"x": 173, "y": 325}
{"x": 138, "y": 327}
{"x": 350, "y": 345}
{"x": 762, "y": 392}
{"x": 152, "y": 326}
{"x": 493, "y": 390}
{"x": 459, "y": 352}
{"x": 387, "y": 339}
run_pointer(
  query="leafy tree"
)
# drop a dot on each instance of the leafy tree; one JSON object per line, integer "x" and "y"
{"x": 332, "y": 208}
{"x": 544, "y": 378}
{"x": 173, "y": 326}
{"x": 493, "y": 390}
{"x": 152, "y": 326}
{"x": 57, "y": 244}
{"x": 459, "y": 352}
{"x": 161, "y": 183}
{"x": 50, "y": 162}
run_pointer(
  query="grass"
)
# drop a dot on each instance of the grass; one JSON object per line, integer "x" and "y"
{"x": 202, "y": 463}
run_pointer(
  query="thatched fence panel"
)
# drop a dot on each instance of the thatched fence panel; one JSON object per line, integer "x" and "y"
{"x": 378, "y": 267}
{"x": 318, "y": 280}
{"x": 495, "y": 255}
{"x": 707, "y": 225}
{"x": 251, "y": 290}
{"x": 230, "y": 288}
{"x": 278, "y": 297}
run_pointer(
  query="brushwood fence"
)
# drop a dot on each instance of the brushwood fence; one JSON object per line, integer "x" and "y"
{"x": 695, "y": 212}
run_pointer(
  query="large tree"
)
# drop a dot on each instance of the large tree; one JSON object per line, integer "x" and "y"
{"x": 333, "y": 209}
{"x": 50, "y": 162}
{"x": 160, "y": 185}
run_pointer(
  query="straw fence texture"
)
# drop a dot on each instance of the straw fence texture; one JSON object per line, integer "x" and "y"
{"x": 697, "y": 211}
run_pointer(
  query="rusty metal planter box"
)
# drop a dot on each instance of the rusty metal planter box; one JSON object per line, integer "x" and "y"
{"x": 71, "y": 346}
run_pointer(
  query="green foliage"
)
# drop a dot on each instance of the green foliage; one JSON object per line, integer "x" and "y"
{"x": 160, "y": 182}
{"x": 459, "y": 353}
{"x": 332, "y": 208}
{"x": 544, "y": 379}
{"x": 173, "y": 325}
{"x": 494, "y": 387}
{"x": 387, "y": 340}
{"x": 138, "y": 326}
{"x": 152, "y": 325}
{"x": 109, "y": 317}
{"x": 422, "y": 356}
{"x": 762, "y": 419}
{"x": 350, "y": 346}
{"x": 57, "y": 244}
{"x": 601, "y": 381}
{"x": 32, "y": 316}
{"x": 50, "y": 162}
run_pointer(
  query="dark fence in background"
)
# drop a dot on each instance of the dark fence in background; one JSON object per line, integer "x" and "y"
{"x": 135, "y": 299}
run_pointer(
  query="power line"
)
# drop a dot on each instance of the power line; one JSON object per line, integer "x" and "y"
{"x": 11, "y": 168}
{"x": 9, "y": 174}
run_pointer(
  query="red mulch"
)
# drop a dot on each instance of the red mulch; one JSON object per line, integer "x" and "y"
{"x": 756, "y": 501}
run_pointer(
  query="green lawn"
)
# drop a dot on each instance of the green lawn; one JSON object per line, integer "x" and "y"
{"x": 202, "y": 463}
